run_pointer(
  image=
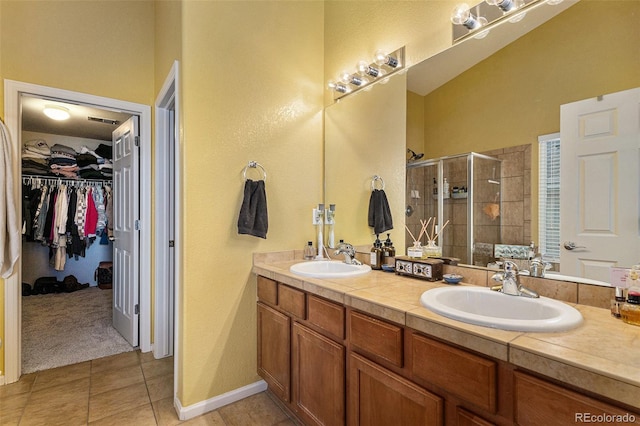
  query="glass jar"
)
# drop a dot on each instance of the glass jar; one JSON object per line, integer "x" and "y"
{"x": 431, "y": 250}
{"x": 630, "y": 310}
{"x": 415, "y": 251}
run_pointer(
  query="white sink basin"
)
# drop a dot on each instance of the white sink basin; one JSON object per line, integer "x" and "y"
{"x": 488, "y": 308}
{"x": 329, "y": 269}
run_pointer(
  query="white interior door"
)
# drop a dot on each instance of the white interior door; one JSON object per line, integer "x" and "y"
{"x": 600, "y": 182}
{"x": 126, "y": 243}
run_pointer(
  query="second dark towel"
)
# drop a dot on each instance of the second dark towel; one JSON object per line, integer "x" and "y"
{"x": 379, "y": 212}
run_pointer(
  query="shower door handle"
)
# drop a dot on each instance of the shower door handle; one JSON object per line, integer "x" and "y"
{"x": 570, "y": 245}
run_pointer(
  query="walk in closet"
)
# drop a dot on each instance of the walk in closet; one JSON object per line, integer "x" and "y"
{"x": 67, "y": 229}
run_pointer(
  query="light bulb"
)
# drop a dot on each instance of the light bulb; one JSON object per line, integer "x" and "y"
{"x": 337, "y": 87}
{"x": 517, "y": 17}
{"x": 505, "y": 5}
{"x": 381, "y": 58}
{"x": 482, "y": 21}
{"x": 348, "y": 78}
{"x": 554, "y": 2}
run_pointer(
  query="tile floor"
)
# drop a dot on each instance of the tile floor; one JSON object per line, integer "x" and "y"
{"x": 126, "y": 389}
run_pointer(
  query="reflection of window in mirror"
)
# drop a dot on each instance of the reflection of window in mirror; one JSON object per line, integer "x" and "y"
{"x": 549, "y": 196}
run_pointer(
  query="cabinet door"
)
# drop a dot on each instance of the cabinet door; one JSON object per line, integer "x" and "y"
{"x": 318, "y": 372}
{"x": 379, "y": 397}
{"x": 274, "y": 350}
{"x": 539, "y": 402}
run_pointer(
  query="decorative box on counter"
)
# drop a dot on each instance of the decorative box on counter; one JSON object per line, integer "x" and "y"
{"x": 428, "y": 269}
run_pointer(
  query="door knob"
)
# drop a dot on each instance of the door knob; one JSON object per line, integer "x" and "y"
{"x": 570, "y": 245}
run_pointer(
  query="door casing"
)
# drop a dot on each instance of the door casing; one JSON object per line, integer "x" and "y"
{"x": 13, "y": 91}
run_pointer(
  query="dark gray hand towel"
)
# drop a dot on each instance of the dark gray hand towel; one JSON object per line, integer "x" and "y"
{"x": 379, "y": 212}
{"x": 253, "y": 219}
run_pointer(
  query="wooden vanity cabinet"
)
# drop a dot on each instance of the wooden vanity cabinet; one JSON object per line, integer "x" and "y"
{"x": 332, "y": 365}
{"x": 301, "y": 352}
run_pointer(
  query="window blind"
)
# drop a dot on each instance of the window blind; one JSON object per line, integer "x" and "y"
{"x": 549, "y": 197}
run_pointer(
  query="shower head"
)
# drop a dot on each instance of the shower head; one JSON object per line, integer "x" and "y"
{"x": 414, "y": 156}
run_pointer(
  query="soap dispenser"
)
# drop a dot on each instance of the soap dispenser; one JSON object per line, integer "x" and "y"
{"x": 445, "y": 188}
{"x": 630, "y": 310}
{"x": 388, "y": 251}
{"x": 376, "y": 254}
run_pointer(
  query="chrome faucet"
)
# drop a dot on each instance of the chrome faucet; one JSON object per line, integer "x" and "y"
{"x": 349, "y": 253}
{"x": 510, "y": 280}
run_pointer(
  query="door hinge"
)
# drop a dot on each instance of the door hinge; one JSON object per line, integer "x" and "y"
{"x": 172, "y": 243}
{"x": 136, "y": 309}
{"x": 136, "y": 140}
{"x": 136, "y": 224}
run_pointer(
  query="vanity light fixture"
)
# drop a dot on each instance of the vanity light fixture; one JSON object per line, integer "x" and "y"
{"x": 366, "y": 73}
{"x": 476, "y": 21}
{"x": 56, "y": 112}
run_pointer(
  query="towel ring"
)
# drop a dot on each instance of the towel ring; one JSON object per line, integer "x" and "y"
{"x": 253, "y": 165}
{"x": 373, "y": 182}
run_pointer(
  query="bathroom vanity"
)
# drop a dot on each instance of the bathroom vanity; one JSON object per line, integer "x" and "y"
{"x": 364, "y": 351}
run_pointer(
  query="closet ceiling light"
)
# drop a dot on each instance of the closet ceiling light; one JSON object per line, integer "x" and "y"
{"x": 56, "y": 112}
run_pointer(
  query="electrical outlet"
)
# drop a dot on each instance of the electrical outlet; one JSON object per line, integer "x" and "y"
{"x": 316, "y": 217}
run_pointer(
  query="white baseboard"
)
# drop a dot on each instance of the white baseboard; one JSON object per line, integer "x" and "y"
{"x": 202, "y": 407}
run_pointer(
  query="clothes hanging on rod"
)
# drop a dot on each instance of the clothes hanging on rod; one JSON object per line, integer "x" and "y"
{"x": 65, "y": 215}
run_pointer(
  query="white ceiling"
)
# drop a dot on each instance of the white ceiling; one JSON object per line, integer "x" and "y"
{"x": 78, "y": 125}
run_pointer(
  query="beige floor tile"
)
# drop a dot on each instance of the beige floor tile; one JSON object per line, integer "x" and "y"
{"x": 56, "y": 376}
{"x": 12, "y": 407}
{"x": 126, "y": 359}
{"x": 65, "y": 404}
{"x": 21, "y": 386}
{"x": 139, "y": 416}
{"x": 157, "y": 367}
{"x": 114, "y": 401}
{"x": 256, "y": 410}
{"x": 115, "y": 379}
{"x": 160, "y": 387}
{"x": 165, "y": 412}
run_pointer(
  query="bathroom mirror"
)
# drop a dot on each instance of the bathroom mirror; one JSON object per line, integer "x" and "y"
{"x": 564, "y": 60}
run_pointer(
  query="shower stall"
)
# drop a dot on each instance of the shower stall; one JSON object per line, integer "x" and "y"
{"x": 462, "y": 192}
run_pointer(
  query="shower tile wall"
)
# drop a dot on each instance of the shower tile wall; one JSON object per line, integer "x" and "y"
{"x": 516, "y": 193}
{"x": 513, "y": 226}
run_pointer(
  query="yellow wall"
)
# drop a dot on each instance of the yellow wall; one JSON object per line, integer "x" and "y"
{"x": 252, "y": 90}
{"x": 104, "y": 48}
{"x": 515, "y": 95}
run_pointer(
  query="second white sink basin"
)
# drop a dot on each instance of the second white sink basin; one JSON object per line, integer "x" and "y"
{"x": 482, "y": 306}
{"x": 329, "y": 269}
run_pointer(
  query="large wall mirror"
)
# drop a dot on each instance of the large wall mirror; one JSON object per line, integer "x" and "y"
{"x": 508, "y": 99}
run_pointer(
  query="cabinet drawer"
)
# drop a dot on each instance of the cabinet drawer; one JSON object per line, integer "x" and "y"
{"x": 267, "y": 290}
{"x": 376, "y": 337}
{"x": 539, "y": 402}
{"x": 327, "y": 315}
{"x": 292, "y": 301}
{"x": 468, "y": 376}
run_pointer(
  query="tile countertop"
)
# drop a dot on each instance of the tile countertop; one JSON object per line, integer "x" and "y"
{"x": 601, "y": 355}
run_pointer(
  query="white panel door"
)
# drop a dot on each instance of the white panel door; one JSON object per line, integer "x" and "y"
{"x": 126, "y": 243}
{"x": 600, "y": 184}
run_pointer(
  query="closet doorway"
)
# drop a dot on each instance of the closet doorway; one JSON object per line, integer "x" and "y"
{"x": 15, "y": 92}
